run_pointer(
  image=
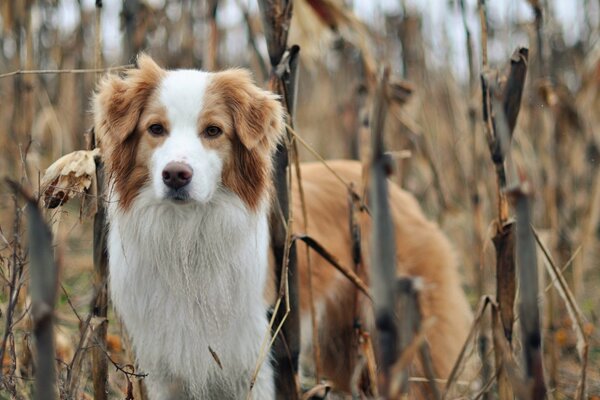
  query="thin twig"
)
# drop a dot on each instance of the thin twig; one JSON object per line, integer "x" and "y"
{"x": 574, "y": 312}
{"x": 311, "y": 298}
{"x": 65, "y": 71}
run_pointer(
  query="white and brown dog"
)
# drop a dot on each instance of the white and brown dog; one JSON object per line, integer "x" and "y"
{"x": 188, "y": 157}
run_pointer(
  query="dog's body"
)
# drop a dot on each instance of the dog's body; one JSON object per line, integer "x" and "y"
{"x": 422, "y": 251}
{"x": 187, "y": 282}
{"x": 188, "y": 161}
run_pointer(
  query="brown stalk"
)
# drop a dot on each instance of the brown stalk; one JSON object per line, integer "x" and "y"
{"x": 499, "y": 122}
{"x": 359, "y": 359}
{"x": 475, "y": 195}
{"x": 411, "y": 339}
{"x": 276, "y": 16}
{"x": 210, "y": 62}
{"x": 100, "y": 255}
{"x": 311, "y": 299}
{"x": 504, "y": 123}
{"x": 43, "y": 290}
{"x": 528, "y": 281}
{"x": 383, "y": 265}
{"x": 20, "y": 136}
{"x": 484, "y": 302}
{"x": 331, "y": 259}
{"x": 559, "y": 282}
{"x": 15, "y": 282}
{"x": 262, "y": 66}
{"x": 65, "y": 71}
{"x": 505, "y": 269}
{"x": 130, "y": 24}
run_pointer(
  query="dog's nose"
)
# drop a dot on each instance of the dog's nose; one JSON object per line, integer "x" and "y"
{"x": 177, "y": 174}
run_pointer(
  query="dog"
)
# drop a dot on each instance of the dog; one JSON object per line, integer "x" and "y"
{"x": 188, "y": 158}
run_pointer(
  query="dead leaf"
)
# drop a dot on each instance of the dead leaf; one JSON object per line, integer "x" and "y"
{"x": 71, "y": 175}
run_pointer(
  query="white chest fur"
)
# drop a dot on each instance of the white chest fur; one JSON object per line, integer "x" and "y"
{"x": 186, "y": 278}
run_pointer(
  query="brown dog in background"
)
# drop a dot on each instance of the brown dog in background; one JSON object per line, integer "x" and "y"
{"x": 422, "y": 251}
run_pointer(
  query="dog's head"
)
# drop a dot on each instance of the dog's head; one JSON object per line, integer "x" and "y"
{"x": 184, "y": 135}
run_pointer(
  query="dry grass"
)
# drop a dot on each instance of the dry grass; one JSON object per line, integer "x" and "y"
{"x": 556, "y": 144}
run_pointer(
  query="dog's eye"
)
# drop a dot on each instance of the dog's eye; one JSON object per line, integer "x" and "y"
{"x": 157, "y": 129}
{"x": 213, "y": 131}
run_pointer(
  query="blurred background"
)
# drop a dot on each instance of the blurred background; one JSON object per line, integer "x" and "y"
{"x": 434, "y": 51}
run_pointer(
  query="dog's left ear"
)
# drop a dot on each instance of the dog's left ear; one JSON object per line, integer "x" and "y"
{"x": 257, "y": 114}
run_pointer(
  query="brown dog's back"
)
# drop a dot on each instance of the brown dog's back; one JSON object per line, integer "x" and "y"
{"x": 422, "y": 251}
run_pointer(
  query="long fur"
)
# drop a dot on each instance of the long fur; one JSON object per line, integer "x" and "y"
{"x": 192, "y": 279}
{"x": 187, "y": 277}
{"x": 187, "y": 280}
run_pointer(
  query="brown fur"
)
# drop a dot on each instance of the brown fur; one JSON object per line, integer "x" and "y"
{"x": 118, "y": 106}
{"x": 256, "y": 117}
{"x": 422, "y": 250}
{"x": 250, "y": 118}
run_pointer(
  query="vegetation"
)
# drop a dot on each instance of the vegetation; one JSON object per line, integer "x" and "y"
{"x": 495, "y": 132}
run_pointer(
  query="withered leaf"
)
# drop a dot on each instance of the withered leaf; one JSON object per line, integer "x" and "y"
{"x": 71, "y": 175}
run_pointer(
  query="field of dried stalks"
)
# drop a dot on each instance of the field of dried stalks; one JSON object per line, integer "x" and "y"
{"x": 479, "y": 146}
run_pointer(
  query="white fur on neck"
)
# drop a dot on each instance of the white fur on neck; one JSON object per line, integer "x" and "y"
{"x": 186, "y": 277}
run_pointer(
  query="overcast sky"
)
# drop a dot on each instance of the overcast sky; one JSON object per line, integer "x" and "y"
{"x": 440, "y": 17}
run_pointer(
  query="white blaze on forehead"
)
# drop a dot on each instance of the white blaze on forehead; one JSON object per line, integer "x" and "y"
{"x": 182, "y": 94}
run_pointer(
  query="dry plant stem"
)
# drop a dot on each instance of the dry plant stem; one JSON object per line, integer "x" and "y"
{"x": 499, "y": 137}
{"x": 98, "y": 37}
{"x": 43, "y": 288}
{"x": 499, "y": 134}
{"x": 331, "y": 259}
{"x": 66, "y": 71}
{"x": 488, "y": 129}
{"x": 16, "y": 273}
{"x": 484, "y": 33}
{"x": 536, "y": 7}
{"x": 506, "y": 363}
{"x": 528, "y": 281}
{"x": 281, "y": 316}
{"x": 313, "y": 311}
{"x": 469, "y": 46}
{"x": 399, "y": 370}
{"x": 210, "y": 58}
{"x": 407, "y": 307}
{"x": 358, "y": 360}
{"x": 551, "y": 167}
{"x": 475, "y": 198}
{"x": 276, "y": 16}
{"x": 411, "y": 337}
{"x": 505, "y": 390}
{"x": 75, "y": 366}
{"x": 560, "y": 283}
{"x": 262, "y": 66}
{"x": 484, "y": 302}
{"x": 505, "y": 280}
{"x": 322, "y": 160}
{"x": 100, "y": 302}
{"x": 383, "y": 266}
{"x": 515, "y": 84}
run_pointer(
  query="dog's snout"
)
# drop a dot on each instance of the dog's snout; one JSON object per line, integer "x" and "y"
{"x": 177, "y": 174}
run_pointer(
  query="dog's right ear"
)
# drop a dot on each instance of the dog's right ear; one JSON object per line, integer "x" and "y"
{"x": 119, "y": 101}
